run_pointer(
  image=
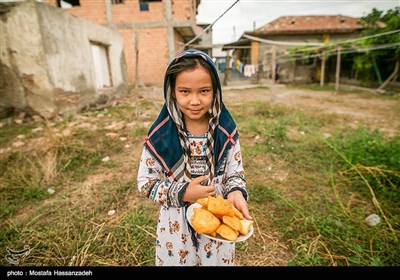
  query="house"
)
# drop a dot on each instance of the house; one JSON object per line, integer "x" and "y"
{"x": 273, "y": 49}
{"x": 220, "y": 58}
{"x": 204, "y": 43}
{"x": 53, "y": 63}
{"x": 154, "y": 31}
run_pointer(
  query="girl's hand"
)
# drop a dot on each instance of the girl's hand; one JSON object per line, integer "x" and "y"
{"x": 196, "y": 190}
{"x": 237, "y": 199}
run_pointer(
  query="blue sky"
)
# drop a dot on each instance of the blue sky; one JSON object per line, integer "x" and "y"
{"x": 246, "y": 14}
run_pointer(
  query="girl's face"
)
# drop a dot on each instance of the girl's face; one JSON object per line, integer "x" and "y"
{"x": 194, "y": 94}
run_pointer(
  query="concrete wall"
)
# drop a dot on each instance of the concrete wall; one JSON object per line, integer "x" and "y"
{"x": 145, "y": 33}
{"x": 47, "y": 61}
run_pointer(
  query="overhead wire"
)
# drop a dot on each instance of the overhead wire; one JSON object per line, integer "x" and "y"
{"x": 209, "y": 26}
{"x": 300, "y": 44}
{"x": 328, "y": 52}
{"x": 318, "y": 46}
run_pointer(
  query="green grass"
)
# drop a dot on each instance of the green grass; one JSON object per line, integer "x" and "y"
{"x": 9, "y": 133}
{"x": 319, "y": 230}
{"x": 308, "y": 194}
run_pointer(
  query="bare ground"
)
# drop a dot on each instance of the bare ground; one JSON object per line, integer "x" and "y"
{"x": 372, "y": 110}
{"x": 369, "y": 109}
{"x": 354, "y": 109}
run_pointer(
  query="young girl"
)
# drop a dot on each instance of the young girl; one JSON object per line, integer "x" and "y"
{"x": 191, "y": 151}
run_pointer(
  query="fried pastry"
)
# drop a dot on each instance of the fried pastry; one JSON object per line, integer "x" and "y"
{"x": 233, "y": 222}
{"x": 218, "y": 216}
{"x": 227, "y": 232}
{"x": 204, "y": 222}
{"x": 237, "y": 213}
{"x": 203, "y": 201}
{"x": 246, "y": 224}
{"x": 220, "y": 206}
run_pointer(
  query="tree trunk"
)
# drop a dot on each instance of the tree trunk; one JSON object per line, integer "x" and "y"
{"x": 392, "y": 76}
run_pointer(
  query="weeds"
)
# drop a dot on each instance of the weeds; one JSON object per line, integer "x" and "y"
{"x": 309, "y": 194}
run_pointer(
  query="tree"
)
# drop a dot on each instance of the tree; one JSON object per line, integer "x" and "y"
{"x": 382, "y": 50}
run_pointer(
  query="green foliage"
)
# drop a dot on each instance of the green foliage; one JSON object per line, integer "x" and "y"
{"x": 324, "y": 228}
{"x": 342, "y": 240}
{"x": 379, "y": 22}
{"x": 375, "y": 159}
{"x": 364, "y": 65}
{"x": 321, "y": 232}
{"x": 368, "y": 148}
{"x": 381, "y": 53}
{"x": 379, "y": 61}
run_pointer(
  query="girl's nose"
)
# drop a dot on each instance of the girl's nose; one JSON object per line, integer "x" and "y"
{"x": 194, "y": 100}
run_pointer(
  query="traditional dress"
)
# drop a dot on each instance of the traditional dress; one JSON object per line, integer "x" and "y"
{"x": 171, "y": 157}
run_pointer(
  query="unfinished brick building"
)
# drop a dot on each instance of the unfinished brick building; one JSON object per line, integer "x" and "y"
{"x": 153, "y": 30}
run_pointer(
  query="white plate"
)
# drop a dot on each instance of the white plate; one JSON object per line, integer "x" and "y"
{"x": 189, "y": 216}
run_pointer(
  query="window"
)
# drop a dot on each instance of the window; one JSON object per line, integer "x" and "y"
{"x": 115, "y": 2}
{"x": 65, "y": 4}
{"x": 143, "y": 5}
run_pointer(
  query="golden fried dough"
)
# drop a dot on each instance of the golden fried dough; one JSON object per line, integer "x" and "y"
{"x": 237, "y": 213}
{"x": 218, "y": 216}
{"x": 203, "y": 201}
{"x": 246, "y": 224}
{"x": 227, "y": 232}
{"x": 204, "y": 221}
{"x": 233, "y": 222}
{"x": 220, "y": 206}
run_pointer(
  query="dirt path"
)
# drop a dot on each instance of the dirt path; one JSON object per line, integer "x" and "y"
{"x": 375, "y": 111}
{"x": 370, "y": 109}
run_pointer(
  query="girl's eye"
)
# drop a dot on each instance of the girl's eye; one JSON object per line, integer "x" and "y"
{"x": 205, "y": 91}
{"x": 184, "y": 91}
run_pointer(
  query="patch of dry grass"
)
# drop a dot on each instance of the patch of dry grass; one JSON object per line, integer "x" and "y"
{"x": 305, "y": 211}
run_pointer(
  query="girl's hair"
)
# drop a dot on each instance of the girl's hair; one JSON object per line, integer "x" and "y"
{"x": 188, "y": 63}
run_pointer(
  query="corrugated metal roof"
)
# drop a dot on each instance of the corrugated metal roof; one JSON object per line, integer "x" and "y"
{"x": 309, "y": 25}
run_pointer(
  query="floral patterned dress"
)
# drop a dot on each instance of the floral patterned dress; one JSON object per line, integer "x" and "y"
{"x": 175, "y": 243}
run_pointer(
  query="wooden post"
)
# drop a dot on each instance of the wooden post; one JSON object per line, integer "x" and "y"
{"x": 322, "y": 78}
{"x": 337, "y": 69}
{"x": 273, "y": 64}
{"x": 227, "y": 68}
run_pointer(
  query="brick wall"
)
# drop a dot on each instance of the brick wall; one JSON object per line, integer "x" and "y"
{"x": 130, "y": 12}
{"x": 145, "y": 31}
{"x": 93, "y": 10}
{"x": 152, "y": 50}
